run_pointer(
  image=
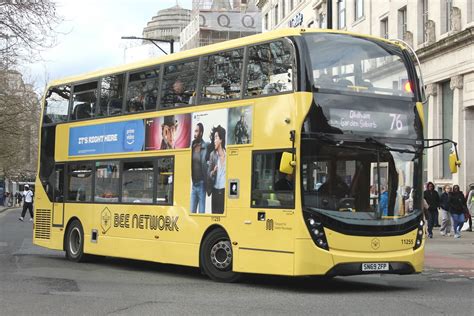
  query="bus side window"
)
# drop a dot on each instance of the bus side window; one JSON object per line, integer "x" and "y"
{"x": 80, "y": 182}
{"x": 137, "y": 182}
{"x": 57, "y": 105}
{"x": 165, "y": 177}
{"x": 111, "y": 95}
{"x": 179, "y": 84}
{"x": 271, "y": 188}
{"x": 221, "y": 77}
{"x": 269, "y": 68}
{"x": 142, "y": 91}
{"x": 84, "y": 101}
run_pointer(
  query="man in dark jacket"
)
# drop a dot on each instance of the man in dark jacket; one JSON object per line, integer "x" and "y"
{"x": 432, "y": 199}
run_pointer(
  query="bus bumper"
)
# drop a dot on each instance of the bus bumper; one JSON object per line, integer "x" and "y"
{"x": 311, "y": 260}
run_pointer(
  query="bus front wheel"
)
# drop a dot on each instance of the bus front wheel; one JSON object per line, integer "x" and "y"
{"x": 75, "y": 242}
{"x": 216, "y": 257}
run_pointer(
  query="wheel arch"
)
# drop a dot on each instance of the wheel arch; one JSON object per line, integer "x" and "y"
{"x": 72, "y": 219}
{"x": 207, "y": 232}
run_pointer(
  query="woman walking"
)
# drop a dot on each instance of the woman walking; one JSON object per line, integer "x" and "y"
{"x": 446, "y": 224}
{"x": 457, "y": 204}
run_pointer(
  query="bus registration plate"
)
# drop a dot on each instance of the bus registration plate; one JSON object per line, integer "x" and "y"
{"x": 366, "y": 267}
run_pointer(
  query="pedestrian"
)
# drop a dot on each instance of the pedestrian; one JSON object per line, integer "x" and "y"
{"x": 446, "y": 224}
{"x": 457, "y": 205}
{"x": 470, "y": 206}
{"x": 432, "y": 199}
{"x": 28, "y": 204}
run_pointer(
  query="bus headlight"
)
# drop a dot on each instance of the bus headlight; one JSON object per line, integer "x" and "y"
{"x": 419, "y": 235}
{"x": 316, "y": 230}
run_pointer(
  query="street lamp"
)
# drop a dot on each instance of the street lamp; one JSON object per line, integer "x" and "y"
{"x": 153, "y": 40}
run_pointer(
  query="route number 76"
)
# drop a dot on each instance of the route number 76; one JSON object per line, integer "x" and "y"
{"x": 396, "y": 122}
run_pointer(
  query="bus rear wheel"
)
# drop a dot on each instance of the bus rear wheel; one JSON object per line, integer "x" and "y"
{"x": 216, "y": 257}
{"x": 75, "y": 242}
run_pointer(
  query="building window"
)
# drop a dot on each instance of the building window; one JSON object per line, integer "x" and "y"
{"x": 358, "y": 9}
{"x": 341, "y": 14}
{"x": 424, "y": 19}
{"x": 265, "y": 24}
{"x": 283, "y": 9}
{"x": 384, "y": 28}
{"x": 402, "y": 23}
{"x": 292, "y": 5}
{"x": 320, "y": 17}
{"x": 447, "y": 6}
{"x": 447, "y": 125}
{"x": 276, "y": 15}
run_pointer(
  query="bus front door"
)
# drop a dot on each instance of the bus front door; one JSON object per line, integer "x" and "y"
{"x": 58, "y": 196}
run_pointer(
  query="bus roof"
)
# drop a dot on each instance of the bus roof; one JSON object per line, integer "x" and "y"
{"x": 262, "y": 37}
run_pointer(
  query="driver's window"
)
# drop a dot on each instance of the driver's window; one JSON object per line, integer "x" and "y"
{"x": 270, "y": 187}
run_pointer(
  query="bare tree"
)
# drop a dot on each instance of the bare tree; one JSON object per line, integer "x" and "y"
{"x": 26, "y": 28}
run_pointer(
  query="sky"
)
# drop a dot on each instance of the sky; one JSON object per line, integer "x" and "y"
{"x": 90, "y": 36}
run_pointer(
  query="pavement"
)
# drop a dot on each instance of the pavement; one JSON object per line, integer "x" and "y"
{"x": 444, "y": 254}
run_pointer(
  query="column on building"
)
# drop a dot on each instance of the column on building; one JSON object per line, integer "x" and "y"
{"x": 456, "y": 85}
{"x": 432, "y": 131}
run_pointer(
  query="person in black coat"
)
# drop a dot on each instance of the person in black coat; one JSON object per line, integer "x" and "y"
{"x": 457, "y": 206}
{"x": 444, "y": 209}
{"x": 432, "y": 199}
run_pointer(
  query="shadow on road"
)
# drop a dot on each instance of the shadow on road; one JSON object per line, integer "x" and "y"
{"x": 361, "y": 284}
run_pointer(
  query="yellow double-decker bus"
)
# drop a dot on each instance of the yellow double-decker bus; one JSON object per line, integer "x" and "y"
{"x": 295, "y": 152}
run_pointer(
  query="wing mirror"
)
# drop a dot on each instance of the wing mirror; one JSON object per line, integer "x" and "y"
{"x": 287, "y": 163}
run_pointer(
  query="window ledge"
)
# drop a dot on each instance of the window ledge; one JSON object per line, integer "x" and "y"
{"x": 357, "y": 22}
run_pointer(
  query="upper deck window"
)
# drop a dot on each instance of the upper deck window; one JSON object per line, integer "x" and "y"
{"x": 111, "y": 95}
{"x": 142, "y": 92}
{"x": 84, "y": 101}
{"x": 270, "y": 68}
{"x": 57, "y": 105}
{"x": 351, "y": 64}
{"x": 179, "y": 84}
{"x": 222, "y": 76}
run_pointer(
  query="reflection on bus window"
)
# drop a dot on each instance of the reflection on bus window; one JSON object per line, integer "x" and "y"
{"x": 357, "y": 65}
{"x": 137, "y": 182}
{"x": 80, "y": 182}
{"x": 270, "y": 188}
{"x": 106, "y": 181}
{"x": 351, "y": 180}
{"x": 57, "y": 104}
{"x": 111, "y": 95}
{"x": 84, "y": 101}
{"x": 270, "y": 68}
{"x": 164, "y": 191}
{"x": 142, "y": 93}
{"x": 179, "y": 84}
{"x": 222, "y": 76}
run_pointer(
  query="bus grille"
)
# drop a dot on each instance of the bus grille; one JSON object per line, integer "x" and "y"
{"x": 43, "y": 224}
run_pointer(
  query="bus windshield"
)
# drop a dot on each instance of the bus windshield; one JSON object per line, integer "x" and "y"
{"x": 357, "y": 65}
{"x": 358, "y": 177}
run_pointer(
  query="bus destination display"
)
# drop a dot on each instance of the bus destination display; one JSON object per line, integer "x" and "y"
{"x": 369, "y": 121}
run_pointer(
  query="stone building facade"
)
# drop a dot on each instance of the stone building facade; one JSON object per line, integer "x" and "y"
{"x": 168, "y": 23}
{"x": 442, "y": 34}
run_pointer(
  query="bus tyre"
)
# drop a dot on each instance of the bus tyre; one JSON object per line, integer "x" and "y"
{"x": 75, "y": 242}
{"x": 216, "y": 257}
